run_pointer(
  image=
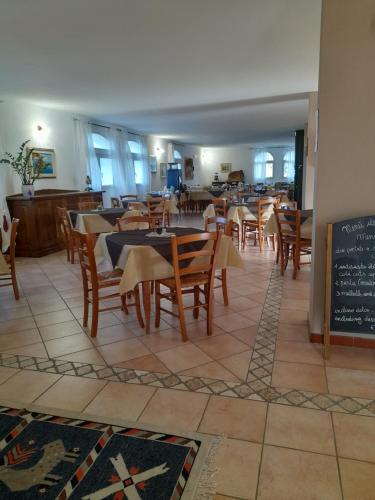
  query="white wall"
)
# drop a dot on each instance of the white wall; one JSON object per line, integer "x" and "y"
{"x": 311, "y": 156}
{"x": 18, "y": 121}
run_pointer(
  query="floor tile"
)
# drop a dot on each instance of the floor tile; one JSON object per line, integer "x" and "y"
{"x": 236, "y": 418}
{"x": 357, "y": 383}
{"x": 16, "y": 325}
{"x": 52, "y": 318}
{"x": 19, "y": 339}
{"x": 67, "y": 345}
{"x": 6, "y": 373}
{"x": 299, "y": 352}
{"x": 300, "y": 428}
{"x": 147, "y": 363}
{"x": 293, "y": 317}
{"x": 351, "y": 357}
{"x": 221, "y": 346}
{"x": 56, "y": 331}
{"x": 183, "y": 357}
{"x": 355, "y": 436}
{"x": 299, "y": 376}
{"x": 85, "y": 356}
{"x": 295, "y": 475}
{"x": 296, "y": 333}
{"x": 36, "y": 350}
{"x": 238, "y": 364}
{"x": 120, "y": 400}
{"x": 113, "y": 333}
{"x": 71, "y": 393}
{"x": 246, "y": 335}
{"x": 25, "y": 386}
{"x": 122, "y": 351}
{"x": 358, "y": 479}
{"x": 237, "y": 476}
{"x": 232, "y": 322}
{"x": 175, "y": 410}
{"x": 298, "y": 304}
{"x": 161, "y": 341}
{"x": 212, "y": 370}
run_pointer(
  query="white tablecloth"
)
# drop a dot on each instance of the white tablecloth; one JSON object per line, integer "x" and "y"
{"x": 4, "y": 268}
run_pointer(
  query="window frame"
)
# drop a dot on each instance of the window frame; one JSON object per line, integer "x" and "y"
{"x": 103, "y": 153}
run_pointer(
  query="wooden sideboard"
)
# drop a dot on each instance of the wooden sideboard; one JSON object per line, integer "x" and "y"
{"x": 38, "y": 231}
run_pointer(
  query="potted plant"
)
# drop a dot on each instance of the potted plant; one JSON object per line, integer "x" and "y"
{"x": 21, "y": 163}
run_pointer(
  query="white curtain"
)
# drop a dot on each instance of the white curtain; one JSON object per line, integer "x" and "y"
{"x": 144, "y": 187}
{"x": 260, "y": 165}
{"x": 288, "y": 165}
{"x": 87, "y": 162}
{"x": 122, "y": 164}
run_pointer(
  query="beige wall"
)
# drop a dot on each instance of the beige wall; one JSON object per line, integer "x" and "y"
{"x": 345, "y": 180}
{"x": 311, "y": 156}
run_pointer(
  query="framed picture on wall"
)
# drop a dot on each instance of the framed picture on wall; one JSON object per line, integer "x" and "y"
{"x": 153, "y": 164}
{"x": 225, "y": 168}
{"x": 47, "y": 156}
{"x": 163, "y": 170}
{"x": 188, "y": 169}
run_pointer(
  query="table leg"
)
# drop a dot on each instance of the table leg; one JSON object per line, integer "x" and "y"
{"x": 146, "y": 294}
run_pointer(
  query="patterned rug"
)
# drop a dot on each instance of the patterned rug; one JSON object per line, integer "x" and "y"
{"x": 55, "y": 457}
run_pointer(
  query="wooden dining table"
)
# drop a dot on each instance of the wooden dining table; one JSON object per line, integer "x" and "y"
{"x": 145, "y": 257}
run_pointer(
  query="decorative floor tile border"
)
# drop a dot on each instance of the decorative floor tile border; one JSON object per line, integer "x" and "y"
{"x": 256, "y": 387}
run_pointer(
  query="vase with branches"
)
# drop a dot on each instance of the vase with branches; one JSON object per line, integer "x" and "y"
{"x": 22, "y": 164}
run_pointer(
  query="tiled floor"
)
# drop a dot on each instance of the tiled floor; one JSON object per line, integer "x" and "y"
{"x": 318, "y": 444}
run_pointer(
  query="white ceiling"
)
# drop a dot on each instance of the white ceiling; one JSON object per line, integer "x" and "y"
{"x": 200, "y": 71}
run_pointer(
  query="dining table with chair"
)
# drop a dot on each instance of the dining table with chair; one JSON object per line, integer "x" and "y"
{"x": 146, "y": 256}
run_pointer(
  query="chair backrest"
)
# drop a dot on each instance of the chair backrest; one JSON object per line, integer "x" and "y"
{"x": 222, "y": 224}
{"x": 64, "y": 222}
{"x": 85, "y": 244}
{"x": 220, "y": 206}
{"x": 155, "y": 206}
{"x": 288, "y": 224}
{"x": 265, "y": 207}
{"x": 134, "y": 222}
{"x": 188, "y": 262}
{"x": 129, "y": 197}
{"x": 12, "y": 245}
{"x": 88, "y": 205}
{"x": 115, "y": 202}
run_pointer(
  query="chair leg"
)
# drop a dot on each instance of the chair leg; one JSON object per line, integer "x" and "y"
{"x": 181, "y": 315}
{"x": 196, "y": 303}
{"x": 85, "y": 306}
{"x": 224, "y": 286}
{"x": 95, "y": 314}
{"x": 157, "y": 304}
{"x": 15, "y": 285}
{"x": 296, "y": 261}
{"x": 124, "y": 303}
{"x": 209, "y": 293}
{"x": 138, "y": 306}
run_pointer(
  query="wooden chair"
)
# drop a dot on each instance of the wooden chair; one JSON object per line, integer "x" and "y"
{"x": 220, "y": 206}
{"x": 94, "y": 282}
{"x": 66, "y": 230}
{"x": 88, "y": 205}
{"x": 115, "y": 202}
{"x": 255, "y": 227}
{"x": 290, "y": 241}
{"x": 189, "y": 277}
{"x": 223, "y": 226}
{"x": 123, "y": 222}
{"x": 10, "y": 278}
{"x": 156, "y": 211}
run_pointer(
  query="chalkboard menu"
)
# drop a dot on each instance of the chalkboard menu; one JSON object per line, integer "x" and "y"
{"x": 352, "y": 305}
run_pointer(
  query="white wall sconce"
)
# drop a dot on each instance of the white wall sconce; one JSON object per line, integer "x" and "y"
{"x": 40, "y": 132}
{"x": 159, "y": 151}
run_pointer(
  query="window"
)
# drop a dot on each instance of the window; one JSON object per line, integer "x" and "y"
{"x": 103, "y": 155}
{"x": 135, "y": 147}
{"x": 288, "y": 165}
{"x": 263, "y": 166}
